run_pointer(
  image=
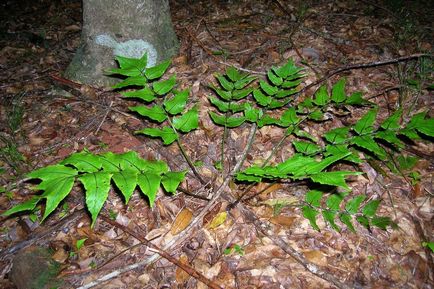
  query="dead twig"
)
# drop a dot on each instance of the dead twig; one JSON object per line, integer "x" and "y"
{"x": 65, "y": 222}
{"x": 109, "y": 108}
{"x": 188, "y": 269}
{"x": 338, "y": 70}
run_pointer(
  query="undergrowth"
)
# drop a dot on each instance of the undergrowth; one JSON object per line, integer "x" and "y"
{"x": 243, "y": 100}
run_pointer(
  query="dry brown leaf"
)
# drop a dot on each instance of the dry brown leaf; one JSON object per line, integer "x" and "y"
{"x": 181, "y": 222}
{"x": 60, "y": 256}
{"x": 180, "y": 275}
{"x": 316, "y": 256}
{"x": 271, "y": 189}
{"x": 283, "y": 220}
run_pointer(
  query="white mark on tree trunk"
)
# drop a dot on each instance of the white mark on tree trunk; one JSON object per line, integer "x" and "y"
{"x": 140, "y": 6}
{"x": 134, "y": 48}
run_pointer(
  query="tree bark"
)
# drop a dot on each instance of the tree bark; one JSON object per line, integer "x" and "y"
{"x": 126, "y": 28}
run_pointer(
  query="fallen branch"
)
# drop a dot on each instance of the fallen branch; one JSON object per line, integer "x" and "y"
{"x": 65, "y": 222}
{"x": 338, "y": 70}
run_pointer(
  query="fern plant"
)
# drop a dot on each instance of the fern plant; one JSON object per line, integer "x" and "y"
{"x": 365, "y": 214}
{"x": 96, "y": 173}
{"x": 240, "y": 99}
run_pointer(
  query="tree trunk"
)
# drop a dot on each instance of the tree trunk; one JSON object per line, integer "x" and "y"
{"x": 126, "y": 28}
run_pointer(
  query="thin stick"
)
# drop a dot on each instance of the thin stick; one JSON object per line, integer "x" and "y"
{"x": 64, "y": 223}
{"x": 187, "y": 231}
{"x": 332, "y": 72}
{"x": 188, "y": 269}
{"x": 105, "y": 116}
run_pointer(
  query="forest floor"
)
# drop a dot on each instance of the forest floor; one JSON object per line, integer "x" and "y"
{"x": 42, "y": 121}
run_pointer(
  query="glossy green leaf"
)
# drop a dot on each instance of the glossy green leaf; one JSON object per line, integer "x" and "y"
{"x": 267, "y": 120}
{"x": 357, "y": 99}
{"x": 97, "y": 186}
{"x": 228, "y": 121}
{"x": 353, "y": 204}
{"x": 340, "y": 149}
{"x": 313, "y": 198}
{"x": 155, "y": 112}
{"x": 138, "y": 63}
{"x": 316, "y": 115}
{"x": 84, "y": 161}
{"x": 370, "y": 208}
{"x": 330, "y": 216}
{"x": 26, "y": 206}
{"x": 176, "y": 104}
{"x": 289, "y": 117}
{"x": 316, "y": 167}
{"x": 365, "y": 124}
{"x": 224, "y": 82}
{"x": 282, "y": 93}
{"x": 129, "y": 66}
{"x": 337, "y": 135}
{"x": 146, "y": 94}
{"x": 252, "y": 114}
{"x": 321, "y": 96}
{"x": 364, "y": 221}
{"x": 261, "y": 98}
{"x": 304, "y": 134}
{"x": 242, "y": 177}
{"x": 287, "y": 69}
{"x": 233, "y": 74}
{"x": 188, "y": 121}
{"x": 310, "y": 214}
{"x": 243, "y": 82}
{"x": 57, "y": 182}
{"x": 291, "y": 84}
{"x": 222, "y": 106}
{"x": 171, "y": 180}
{"x": 157, "y": 71}
{"x": 131, "y": 81}
{"x": 126, "y": 182}
{"x": 268, "y": 89}
{"x": 224, "y": 94}
{"x": 334, "y": 201}
{"x": 392, "y": 122}
{"x": 338, "y": 91}
{"x": 164, "y": 86}
{"x": 382, "y": 222}
{"x": 423, "y": 125}
{"x": 277, "y": 104}
{"x": 346, "y": 219}
{"x": 241, "y": 93}
{"x": 390, "y": 137}
{"x": 275, "y": 80}
{"x": 149, "y": 183}
{"x": 166, "y": 134}
{"x": 333, "y": 178}
{"x": 306, "y": 148}
{"x": 369, "y": 144}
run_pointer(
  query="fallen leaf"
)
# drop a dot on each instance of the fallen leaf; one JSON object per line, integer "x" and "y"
{"x": 316, "y": 256}
{"x": 180, "y": 275}
{"x": 60, "y": 256}
{"x": 181, "y": 222}
{"x": 283, "y": 220}
{"x": 218, "y": 220}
